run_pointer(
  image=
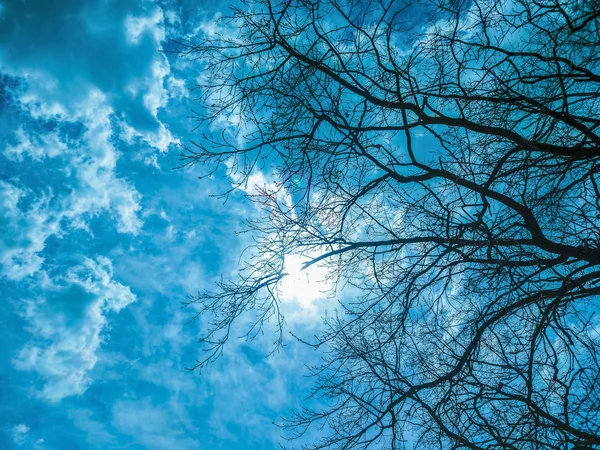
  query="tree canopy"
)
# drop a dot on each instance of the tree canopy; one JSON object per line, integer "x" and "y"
{"x": 441, "y": 158}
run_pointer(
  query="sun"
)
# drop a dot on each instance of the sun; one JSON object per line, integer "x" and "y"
{"x": 302, "y": 286}
{"x": 293, "y": 265}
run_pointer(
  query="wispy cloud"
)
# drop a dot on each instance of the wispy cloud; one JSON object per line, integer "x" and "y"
{"x": 20, "y": 434}
{"x": 63, "y": 348}
{"x": 101, "y": 241}
{"x": 85, "y": 181}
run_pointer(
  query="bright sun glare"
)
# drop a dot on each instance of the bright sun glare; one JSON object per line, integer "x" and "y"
{"x": 302, "y": 286}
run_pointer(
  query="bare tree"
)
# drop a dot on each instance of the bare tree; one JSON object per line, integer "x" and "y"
{"x": 442, "y": 159}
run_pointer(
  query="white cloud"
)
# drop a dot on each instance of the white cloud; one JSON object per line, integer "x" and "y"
{"x": 62, "y": 351}
{"x": 156, "y": 95}
{"x": 20, "y": 433}
{"x": 159, "y": 84}
{"x": 152, "y": 161}
{"x": 136, "y": 27}
{"x": 35, "y": 145}
{"x": 161, "y": 139}
{"x": 87, "y": 184}
{"x": 100, "y": 188}
{"x": 177, "y": 87}
{"x": 212, "y": 28}
{"x": 172, "y": 17}
{"x": 39, "y": 97}
{"x": 10, "y": 196}
{"x": 23, "y": 232}
{"x": 158, "y": 87}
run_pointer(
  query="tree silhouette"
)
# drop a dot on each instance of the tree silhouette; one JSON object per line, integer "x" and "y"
{"x": 442, "y": 159}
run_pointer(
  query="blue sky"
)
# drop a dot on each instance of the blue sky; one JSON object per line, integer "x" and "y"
{"x": 102, "y": 241}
